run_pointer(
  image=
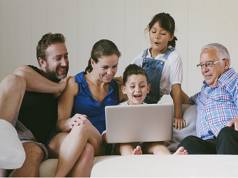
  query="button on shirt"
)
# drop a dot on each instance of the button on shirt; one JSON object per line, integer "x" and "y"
{"x": 216, "y": 106}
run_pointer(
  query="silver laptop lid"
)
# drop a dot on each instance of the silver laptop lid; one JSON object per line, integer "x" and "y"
{"x": 139, "y": 123}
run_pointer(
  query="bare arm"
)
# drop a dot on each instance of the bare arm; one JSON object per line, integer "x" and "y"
{"x": 185, "y": 98}
{"x": 38, "y": 83}
{"x": 176, "y": 94}
{"x": 65, "y": 105}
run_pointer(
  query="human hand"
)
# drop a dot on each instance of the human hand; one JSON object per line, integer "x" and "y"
{"x": 179, "y": 123}
{"x": 62, "y": 84}
{"x": 233, "y": 122}
{"x": 104, "y": 138}
{"x": 76, "y": 120}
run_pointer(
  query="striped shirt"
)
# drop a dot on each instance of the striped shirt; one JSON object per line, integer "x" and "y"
{"x": 216, "y": 106}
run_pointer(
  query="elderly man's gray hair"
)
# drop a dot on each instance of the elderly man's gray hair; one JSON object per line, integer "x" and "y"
{"x": 221, "y": 50}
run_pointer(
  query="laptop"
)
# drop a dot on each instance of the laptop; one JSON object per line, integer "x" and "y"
{"x": 139, "y": 123}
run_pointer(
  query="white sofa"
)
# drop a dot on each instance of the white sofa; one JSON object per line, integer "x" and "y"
{"x": 159, "y": 166}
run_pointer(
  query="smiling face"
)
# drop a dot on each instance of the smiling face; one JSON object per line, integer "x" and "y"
{"x": 106, "y": 67}
{"x": 136, "y": 89}
{"x": 159, "y": 39}
{"x": 56, "y": 65}
{"x": 212, "y": 74}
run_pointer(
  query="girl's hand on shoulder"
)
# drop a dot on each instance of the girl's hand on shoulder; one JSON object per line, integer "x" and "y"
{"x": 77, "y": 120}
{"x": 179, "y": 123}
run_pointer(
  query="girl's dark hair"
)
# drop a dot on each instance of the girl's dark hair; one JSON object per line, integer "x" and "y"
{"x": 133, "y": 69}
{"x": 100, "y": 49}
{"x": 166, "y": 22}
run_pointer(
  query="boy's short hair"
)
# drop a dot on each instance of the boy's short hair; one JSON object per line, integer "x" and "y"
{"x": 133, "y": 69}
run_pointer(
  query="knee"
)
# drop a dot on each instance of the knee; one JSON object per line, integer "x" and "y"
{"x": 226, "y": 131}
{"x": 13, "y": 81}
{"x": 33, "y": 152}
{"x": 227, "y": 134}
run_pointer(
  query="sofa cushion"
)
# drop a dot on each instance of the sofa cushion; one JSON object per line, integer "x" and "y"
{"x": 190, "y": 116}
{"x": 48, "y": 168}
{"x": 165, "y": 166}
{"x": 12, "y": 152}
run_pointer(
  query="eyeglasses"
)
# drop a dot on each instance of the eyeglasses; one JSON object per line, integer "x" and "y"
{"x": 209, "y": 64}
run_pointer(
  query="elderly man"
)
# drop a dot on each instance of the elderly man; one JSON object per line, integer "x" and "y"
{"x": 217, "y": 105}
{"x": 30, "y": 96}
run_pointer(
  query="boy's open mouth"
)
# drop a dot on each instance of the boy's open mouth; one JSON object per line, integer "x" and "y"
{"x": 137, "y": 96}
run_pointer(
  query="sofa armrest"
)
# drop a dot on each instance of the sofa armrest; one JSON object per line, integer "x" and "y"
{"x": 189, "y": 115}
{"x": 3, "y": 172}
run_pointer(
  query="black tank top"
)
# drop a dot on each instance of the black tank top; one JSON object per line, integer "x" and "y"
{"x": 38, "y": 113}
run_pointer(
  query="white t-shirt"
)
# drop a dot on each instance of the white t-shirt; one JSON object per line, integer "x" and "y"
{"x": 126, "y": 103}
{"x": 172, "y": 72}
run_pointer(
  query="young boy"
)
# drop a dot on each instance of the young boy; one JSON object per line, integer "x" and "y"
{"x": 135, "y": 85}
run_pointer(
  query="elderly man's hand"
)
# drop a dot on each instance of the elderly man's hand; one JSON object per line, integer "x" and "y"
{"x": 233, "y": 122}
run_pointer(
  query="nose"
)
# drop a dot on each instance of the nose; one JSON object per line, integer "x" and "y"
{"x": 64, "y": 62}
{"x": 137, "y": 88}
{"x": 109, "y": 71}
{"x": 157, "y": 35}
{"x": 204, "y": 68}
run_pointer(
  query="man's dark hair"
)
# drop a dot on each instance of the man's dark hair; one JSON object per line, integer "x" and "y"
{"x": 45, "y": 42}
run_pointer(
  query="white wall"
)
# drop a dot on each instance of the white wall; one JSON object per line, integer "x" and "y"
{"x": 83, "y": 22}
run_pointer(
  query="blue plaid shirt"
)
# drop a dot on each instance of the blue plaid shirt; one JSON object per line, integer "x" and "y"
{"x": 216, "y": 106}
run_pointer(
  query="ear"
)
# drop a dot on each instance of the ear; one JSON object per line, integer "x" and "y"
{"x": 92, "y": 63}
{"x": 171, "y": 37}
{"x": 42, "y": 62}
{"x": 148, "y": 88}
{"x": 227, "y": 63}
{"x": 123, "y": 89}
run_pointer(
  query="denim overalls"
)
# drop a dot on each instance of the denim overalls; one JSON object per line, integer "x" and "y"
{"x": 153, "y": 69}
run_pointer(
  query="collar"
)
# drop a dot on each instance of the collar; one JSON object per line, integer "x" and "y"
{"x": 224, "y": 78}
{"x": 83, "y": 82}
{"x": 148, "y": 54}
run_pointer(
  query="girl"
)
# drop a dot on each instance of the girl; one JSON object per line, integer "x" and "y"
{"x": 163, "y": 64}
{"x": 81, "y": 112}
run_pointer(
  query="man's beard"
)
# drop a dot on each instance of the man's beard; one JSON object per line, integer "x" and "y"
{"x": 53, "y": 76}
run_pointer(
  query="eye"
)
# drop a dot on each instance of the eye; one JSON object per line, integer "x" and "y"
{"x": 163, "y": 34}
{"x": 105, "y": 67}
{"x": 66, "y": 56}
{"x": 132, "y": 86}
{"x": 209, "y": 64}
{"x": 142, "y": 86}
{"x": 114, "y": 66}
{"x": 153, "y": 31}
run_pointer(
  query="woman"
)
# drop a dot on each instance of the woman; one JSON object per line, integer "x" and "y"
{"x": 81, "y": 112}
